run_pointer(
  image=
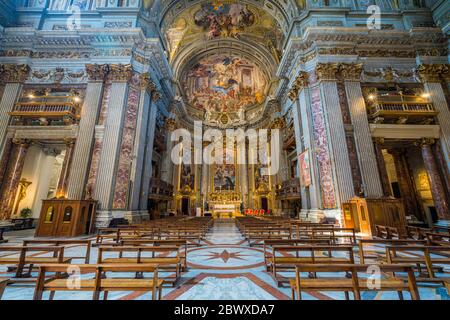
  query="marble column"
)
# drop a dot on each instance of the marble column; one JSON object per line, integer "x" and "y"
{"x": 351, "y": 74}
{"x": 12, "y": 179}
{"x": 437, "y": 188}
{"x": 88, "y": 118}
{"x": 148, "y": 157}
{"x": 326, "y": 74}
{"x": 432, "y": 76}
{"x": 404, "y": 182}
{"x": 13, "y": 76}
{"x": 61, "y": 191}
{"x": 304, "y": 115}
{"x": 387, "y": 191}
{"x": 139, "y": 143}
{"x": 118, "y": 75}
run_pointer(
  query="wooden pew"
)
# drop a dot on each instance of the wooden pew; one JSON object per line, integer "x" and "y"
{"x": 283, "y": 261}
{"x": 256, "y": 235}
{"x": 57, "y": 243}
{"x": 354, "y": 284}
{"x": 337, "y": 235}
{"x": 166, "y": 262}
{"x": 100, "y": 282}
{"x": 3, "y": 283}
{"x": 429, "y": 256}
{"x": 269, "y": 243}
{"x": 438, "y": 239}
{"x": 182, "y": 244}
{"x": 365, "y": 254}
{"x": 301, "y": 229}
{"x": 20, "y": 258}
{"x": 385, "y": 232}
{"x": 417, "y": 233}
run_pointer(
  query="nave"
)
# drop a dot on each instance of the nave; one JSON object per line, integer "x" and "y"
{"x": 222, "y": 267}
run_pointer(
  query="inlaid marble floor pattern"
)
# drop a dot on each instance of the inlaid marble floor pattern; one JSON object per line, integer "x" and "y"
{"x": 223, "y": 268}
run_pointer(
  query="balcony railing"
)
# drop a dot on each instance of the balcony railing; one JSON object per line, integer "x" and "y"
{"x": 289, "y": 189}
{"x": 160, "y": 190}
{"x": 43, "y": 112}
{"x": 406, "y": 110}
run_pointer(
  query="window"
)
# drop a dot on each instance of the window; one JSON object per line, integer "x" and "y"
{"x": 49, "y": 215}
{"x": 67, "y": 214}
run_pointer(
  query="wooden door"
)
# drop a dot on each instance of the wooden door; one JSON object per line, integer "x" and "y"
{"x": 349, "y": 221}
{"x": 48, "y": 220}
{"x": 363, "y": 217}
{"x": 66, "y": 219}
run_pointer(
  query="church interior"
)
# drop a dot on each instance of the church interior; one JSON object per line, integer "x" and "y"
{"x": 119, "y": 179}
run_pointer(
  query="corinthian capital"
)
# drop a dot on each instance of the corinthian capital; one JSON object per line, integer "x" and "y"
{"x": 97, "y": 72}
{"x": 326, "y": 71}
{"x": 14, "y": 72}
{"x": 433, "y": 72}
{"x": 351, "y": 71}
{"x": 120, "y": 72}
{"x": 302, "y": 81}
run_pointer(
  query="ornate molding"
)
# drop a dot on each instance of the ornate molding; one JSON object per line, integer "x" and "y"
{"x": 97, "y": 72}
{"x": 120, "y": 72}
{"x": 150, "y": 86}
{"x": 425, "y": 142}
{"x": 327, "y": 71}
{"x": 14, "y": 72}
{"x": 278, "y": 123}
{"x": 24, "y": 143}
{"x": 433, "y": 72}
{"x": 351, "y": 71}
{"x": 301, "y": 82}
{"x": 170, "y": 124}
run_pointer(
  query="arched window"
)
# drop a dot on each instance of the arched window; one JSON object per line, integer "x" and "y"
{"x": 67, "y": 214}
{"x": 49, "y": 215}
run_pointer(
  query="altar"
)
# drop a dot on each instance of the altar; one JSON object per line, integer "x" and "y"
{"x": 224, "y": 210}
{"x": 225, "y": 204}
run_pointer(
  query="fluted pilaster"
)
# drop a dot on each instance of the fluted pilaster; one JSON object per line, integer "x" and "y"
{"x": 363, "y": 138}
{"x": 82, "y": 151}
{"x": 338, "y": 145}
{"x": 111, "y": 143}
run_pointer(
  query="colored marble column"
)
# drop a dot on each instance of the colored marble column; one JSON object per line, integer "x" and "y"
{"x": 13, "y": 76}
{"x": 4, "y": 160}
{"x": 118, "y": 75}
{"x": 437, "y": 188}
{"x": 326, "y": 74}
{"x": 88, "y": 118}
{"x": 404, "y": 182}
{"x": 351, "y": 74}
{"x": 387, "y": 191}
{"x": 61, "y": 191}
{"x": 12, "y": 179}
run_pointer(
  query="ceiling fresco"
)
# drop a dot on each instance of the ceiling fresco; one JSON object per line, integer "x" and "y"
{"x": 224, "y": 84}
{"x": 220, "y": 20}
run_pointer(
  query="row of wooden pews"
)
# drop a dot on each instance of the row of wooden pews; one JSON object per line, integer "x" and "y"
{"x": 134, "y": 251}
{"x": 305, "y": 256}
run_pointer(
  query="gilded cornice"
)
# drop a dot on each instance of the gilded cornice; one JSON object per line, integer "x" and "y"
{"x": 17, "y": 73}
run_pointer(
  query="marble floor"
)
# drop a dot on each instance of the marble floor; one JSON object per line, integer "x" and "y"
{"x": 224, "y": 267}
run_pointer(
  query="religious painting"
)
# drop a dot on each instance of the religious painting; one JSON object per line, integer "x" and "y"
{"x": 222, "y": 83}
{"x": 225, "y": 173}
{"x": 261, "y": 180}
{"x": 305, "y": 170}
{"x": 224, "y": 20}
{"x": 187, "y": 179}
